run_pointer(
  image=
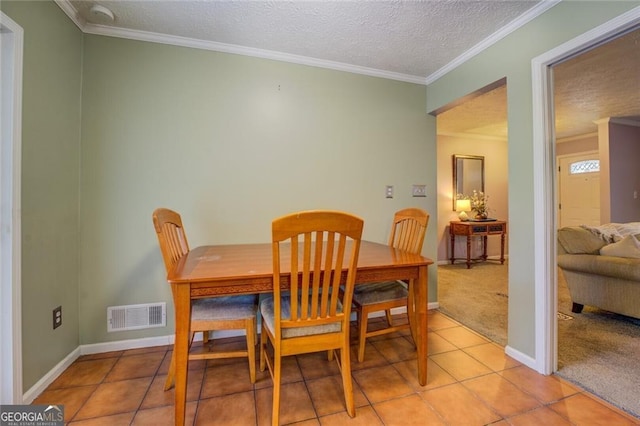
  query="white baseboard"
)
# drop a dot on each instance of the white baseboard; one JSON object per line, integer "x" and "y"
{"x": 521, "y": 357}
{"x": 398, "y": 311}
{"x": 123, "y": 345}
{"x": 146, "y": 342}
{"x": 48, "y": 378}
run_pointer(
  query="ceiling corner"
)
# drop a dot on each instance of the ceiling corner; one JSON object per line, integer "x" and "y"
{"x": 72, "y": 13}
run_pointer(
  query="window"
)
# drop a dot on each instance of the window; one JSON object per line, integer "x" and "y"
{"x": 586, "y": 166}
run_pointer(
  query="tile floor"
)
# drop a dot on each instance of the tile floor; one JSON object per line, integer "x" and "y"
{"x": 470, "y": 382}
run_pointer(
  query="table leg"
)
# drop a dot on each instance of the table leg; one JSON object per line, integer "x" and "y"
{"x": 421, "y": 303}
{"x": 453, "y": 248}
{"x": 411, "y": 310}
{"x": 468, "y": 251}
{"x": 484, "y": 247}
{"x": 502, "y": 249}
{"x": 182, "y": 306}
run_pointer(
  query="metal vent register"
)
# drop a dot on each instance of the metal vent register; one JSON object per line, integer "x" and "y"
{"x": 136, "y": 317}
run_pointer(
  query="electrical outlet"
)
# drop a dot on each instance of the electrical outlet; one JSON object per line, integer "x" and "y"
{"x": 57, "y": 317}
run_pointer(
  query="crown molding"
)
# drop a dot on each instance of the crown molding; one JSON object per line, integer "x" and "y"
{"x": 523, "y": 19}
{"x": 71, "y": 12}
{"x": 473, "y": 136}
{"x": 245, "y": 51}
{"x": 152, "y": 37}
{"x": 577, "y": 137}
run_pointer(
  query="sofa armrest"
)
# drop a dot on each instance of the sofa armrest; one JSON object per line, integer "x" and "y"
{"x": 609, "y": 266}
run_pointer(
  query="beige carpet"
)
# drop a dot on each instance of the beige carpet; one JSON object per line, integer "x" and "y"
{"x": 597, "y": 350}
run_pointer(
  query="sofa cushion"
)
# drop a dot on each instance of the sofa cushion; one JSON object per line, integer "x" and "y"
{"x": 578, "y": 240}
{"x": 623, "y": 268}
{"x": 629, "y": 246}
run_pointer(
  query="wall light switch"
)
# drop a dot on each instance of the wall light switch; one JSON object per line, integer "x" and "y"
{"x": 419, "y": 191}
{"x": 388, "y": 191}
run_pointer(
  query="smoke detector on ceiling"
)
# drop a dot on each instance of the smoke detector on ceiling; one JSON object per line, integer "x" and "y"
{"x": 101, "y": 14}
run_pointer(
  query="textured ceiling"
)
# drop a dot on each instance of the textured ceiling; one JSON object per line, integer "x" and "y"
{"x": 481, "y": 116}
{"x": 412, "y": 41}
{"x": 603, "y": 82}
{"x": 411, "y": 38}
{"x": 600, "y": 83}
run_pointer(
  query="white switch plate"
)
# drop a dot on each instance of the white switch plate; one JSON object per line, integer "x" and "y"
{"x": 419, "y": 191}
{"x": 388, "y": 191}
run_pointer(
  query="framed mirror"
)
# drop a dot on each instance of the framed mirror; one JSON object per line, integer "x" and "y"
{"x": 468, "y": 174}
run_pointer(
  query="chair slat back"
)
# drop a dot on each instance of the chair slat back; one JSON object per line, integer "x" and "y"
{"x": 171, "y": 236}
{"x": 408, "y": 230}
{"x": 321, "y": 244}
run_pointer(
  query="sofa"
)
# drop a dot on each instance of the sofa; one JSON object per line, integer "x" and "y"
{"x": 601, "y": 266}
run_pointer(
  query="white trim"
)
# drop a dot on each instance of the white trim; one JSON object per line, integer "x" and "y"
{"x": 123, "y": 345}
{"x": 544, "y": 196}
{"x": 104, "y": 30}
{"x": 520, "y": 357}
{"x": 10, "y": 215}
{"x": 545, "y": 263}
{"x": 246, "y": 51}
{"x": 145, "y": 342}
{"x": 577, "y": 137}
{"x": 523, "y": 19}
{"x": 473, "y": 136}
{"x": 42, "y": 384}
{"x": 577, "y": 154}
{"x": 71, "y": 12}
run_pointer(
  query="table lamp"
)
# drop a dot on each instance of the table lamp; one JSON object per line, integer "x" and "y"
{"x": 463, "y": 206}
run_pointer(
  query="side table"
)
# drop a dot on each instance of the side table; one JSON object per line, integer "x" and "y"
{"x": 477, "y": 228}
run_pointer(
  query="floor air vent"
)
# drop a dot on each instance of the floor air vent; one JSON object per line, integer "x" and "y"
{"x": 136, "y": 317}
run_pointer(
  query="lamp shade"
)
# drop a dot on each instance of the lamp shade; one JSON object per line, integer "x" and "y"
{"x": 463, "y": 205}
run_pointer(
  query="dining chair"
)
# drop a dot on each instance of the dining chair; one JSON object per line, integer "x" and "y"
{"x": 214, "y": 313}
{"x": 407, "y": 233}
{"x": 317, "y": 249}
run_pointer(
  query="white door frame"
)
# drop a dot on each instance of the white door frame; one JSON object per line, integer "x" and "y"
{"x": 11, "y": 37}
{"x": 545, "y": 197}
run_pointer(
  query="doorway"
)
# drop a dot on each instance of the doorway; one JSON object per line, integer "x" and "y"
{"x": 545, "y": 217}
{"x": 606, "y": 81}
{"x": 475, "y": 126}
{"x": 11, "y": 40}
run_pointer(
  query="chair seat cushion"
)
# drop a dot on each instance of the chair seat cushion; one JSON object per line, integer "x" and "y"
{"x": 367, "y": 294}
{"x": 224, "y": 308}
{"x": 267, "y": 312}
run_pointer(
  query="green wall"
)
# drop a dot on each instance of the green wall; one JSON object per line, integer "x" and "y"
{"x": 231, "y": 142}
{"x": 50, "y": 186}
{"x": 511, "y": 57}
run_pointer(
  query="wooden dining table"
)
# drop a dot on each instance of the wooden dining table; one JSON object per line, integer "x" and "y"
{"x": 222, "y": 270}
